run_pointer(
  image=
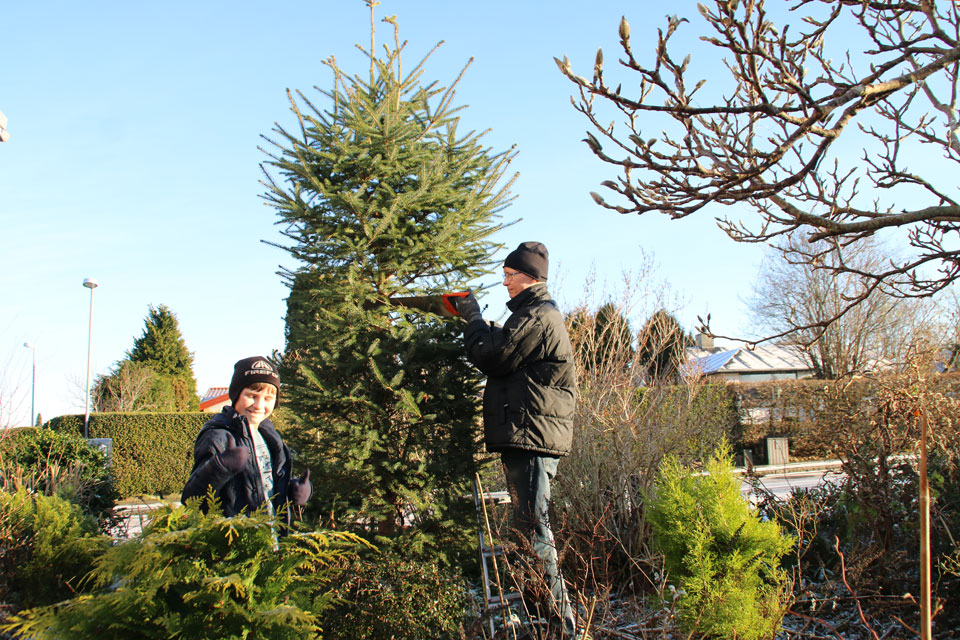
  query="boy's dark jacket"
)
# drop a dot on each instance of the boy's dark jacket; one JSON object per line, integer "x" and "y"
{"x": 242, "y": 490}
{"x": 530, "y": 396}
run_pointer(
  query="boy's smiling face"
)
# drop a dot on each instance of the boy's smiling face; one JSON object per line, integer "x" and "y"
{"x": 256, "y": 403}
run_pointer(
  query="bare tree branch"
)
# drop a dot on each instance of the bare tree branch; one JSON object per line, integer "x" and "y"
{"x": 768, "y": 137}
{"x": 844, "y": 324}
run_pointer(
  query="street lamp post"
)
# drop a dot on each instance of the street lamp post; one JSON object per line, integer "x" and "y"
{"x": 91, "y": 284}
{"x": 33, "y": 384}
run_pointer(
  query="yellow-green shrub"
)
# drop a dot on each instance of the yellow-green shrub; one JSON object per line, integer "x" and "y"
{"x": 723, "y": 559}
{"x": 196, "y": 575}
{"x": 47, "y": 546}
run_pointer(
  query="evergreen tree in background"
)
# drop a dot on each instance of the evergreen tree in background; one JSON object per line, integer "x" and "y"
{"x": 604, "y": 338}
{"x": 661, "y": 345}
{"x": 155, "y": 375}
{"x": 381, "y": 195}
{"x": 161, "y": 345}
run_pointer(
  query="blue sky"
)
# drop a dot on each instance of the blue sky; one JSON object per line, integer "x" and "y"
{"x": 134, "y": 160}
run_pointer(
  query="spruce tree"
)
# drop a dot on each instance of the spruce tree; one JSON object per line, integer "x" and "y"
{"x": 162, "y": 345}
{"x": 155, "y": 375}
{"x": 381, "y": 195}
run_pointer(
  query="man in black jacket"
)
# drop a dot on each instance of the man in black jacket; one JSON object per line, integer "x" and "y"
{"x": 528, "y": 403}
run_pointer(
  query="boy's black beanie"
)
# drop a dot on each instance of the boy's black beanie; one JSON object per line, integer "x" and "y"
{"x": 251, "y": 370}
{"x": 531, "y": 258}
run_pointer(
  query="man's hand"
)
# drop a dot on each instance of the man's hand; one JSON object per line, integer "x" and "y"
{"x": 300, "y": 489}
{"x": 468, "y": 307}
{"x": 234, "y": 458}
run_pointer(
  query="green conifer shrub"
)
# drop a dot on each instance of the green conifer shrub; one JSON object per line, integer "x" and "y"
{"x": 58, "y": 463}
{"x": 47, "y": 546}
{"x": 195, "y": 575}
{"x": 380, "y": 193}
{"x": 392, "y": 595}
{"x": 723, "y": 559}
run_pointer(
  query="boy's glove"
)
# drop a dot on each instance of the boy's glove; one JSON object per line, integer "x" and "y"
{"x": 234, "y": 458}
{"x": 468, "y": 308}
{"x": 300, "y": 489}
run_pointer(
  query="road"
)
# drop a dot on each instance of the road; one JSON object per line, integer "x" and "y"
{"x": 782, "y": 483}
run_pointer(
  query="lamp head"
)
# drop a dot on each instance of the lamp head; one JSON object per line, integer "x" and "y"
{"x": 90, "y": 283}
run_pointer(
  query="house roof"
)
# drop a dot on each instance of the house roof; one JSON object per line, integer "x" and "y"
{"x": 214, "y": 395}
{"x": 761, "y": 359}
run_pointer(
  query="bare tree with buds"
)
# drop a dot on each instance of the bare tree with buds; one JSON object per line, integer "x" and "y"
{"x": 772, "y": 140}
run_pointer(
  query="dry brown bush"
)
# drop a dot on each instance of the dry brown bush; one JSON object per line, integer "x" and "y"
{"x": 623, "y": 431}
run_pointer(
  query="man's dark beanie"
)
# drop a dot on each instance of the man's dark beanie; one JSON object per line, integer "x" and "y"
{"x": 531, "y": 258}
{"x": 249, "y": 371}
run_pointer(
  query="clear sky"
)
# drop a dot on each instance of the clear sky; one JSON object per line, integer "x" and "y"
{"x": 134, "y": 160}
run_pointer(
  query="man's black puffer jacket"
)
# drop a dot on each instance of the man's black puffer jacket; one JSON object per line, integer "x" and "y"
{"x": 530, "y": 396}
{"x": 242, "y": 490}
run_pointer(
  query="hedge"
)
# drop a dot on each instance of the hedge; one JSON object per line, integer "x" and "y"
{"x": 713, "y": 407}
{"x": 802, "y": 410}
{"x": 152, "y": 452}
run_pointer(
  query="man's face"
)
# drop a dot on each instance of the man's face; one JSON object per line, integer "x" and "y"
{"x": 256, "y": 405}
{"x": 516, "y": 281}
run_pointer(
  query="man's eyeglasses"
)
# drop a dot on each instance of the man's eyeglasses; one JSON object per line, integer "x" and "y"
{"x": 508, "y": 275}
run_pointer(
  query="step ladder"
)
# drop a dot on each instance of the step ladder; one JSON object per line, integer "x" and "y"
{"x": 495, "y": 598}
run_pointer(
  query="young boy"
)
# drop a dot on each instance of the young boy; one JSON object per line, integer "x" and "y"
{"x": 239, "y": 453}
